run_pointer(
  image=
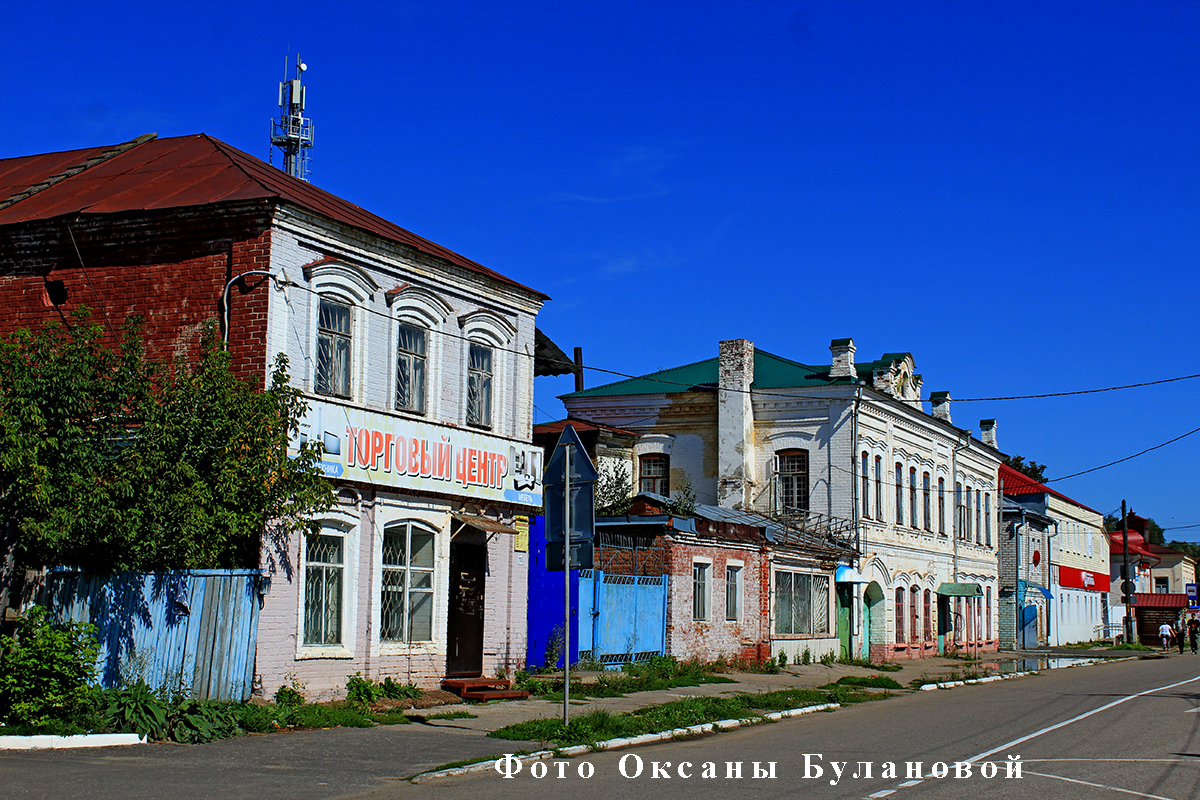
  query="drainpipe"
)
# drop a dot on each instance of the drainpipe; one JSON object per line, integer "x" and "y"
{"x": 225, "y": 297}
{"x": 855, "y": 517}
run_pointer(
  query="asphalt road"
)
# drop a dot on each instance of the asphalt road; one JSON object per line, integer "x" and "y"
{"x": 1120, "y": 730}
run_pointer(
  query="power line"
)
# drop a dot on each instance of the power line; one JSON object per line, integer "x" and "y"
{"x": 1126, "y": 458}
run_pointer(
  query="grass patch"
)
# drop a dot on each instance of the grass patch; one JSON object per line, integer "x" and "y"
{"x": 1130, "y": 646}
{"x": 453, "y": 715}
{"x": 872, "y": 681}
{"x": 599, "y": 725}
{"x": 859, "y": 662}
{"x": 396, "y": 717}
{"x": 657, "y": 674}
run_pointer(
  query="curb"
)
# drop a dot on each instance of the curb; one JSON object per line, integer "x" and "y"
{"x": 631, "y": 741}
{"x": 990, "y": 678}
{"x": 48, "y": 742}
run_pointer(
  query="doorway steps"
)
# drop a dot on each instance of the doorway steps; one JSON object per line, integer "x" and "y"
{"x": 481, "y": 689}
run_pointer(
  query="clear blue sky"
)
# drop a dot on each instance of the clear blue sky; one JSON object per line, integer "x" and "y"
{"x": 1009, "y": 191}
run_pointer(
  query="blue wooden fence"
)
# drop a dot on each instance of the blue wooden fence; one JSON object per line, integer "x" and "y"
{"x": 192, "y": 631}
{"x": 622, "y": 618}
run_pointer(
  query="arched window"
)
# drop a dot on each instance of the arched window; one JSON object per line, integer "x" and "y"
{"x": 406, "y": 595}
{"x": 987, "y": 521}
{"x": 411, "y": 349}
{"x": 334, "y": 347}
{"x": 926, "y": 504}
{"x": 928, "y": 616}
{"x": 900, "y": 614}
{"x": 866, "y": 488}
{"x": 879, "y": 515}
{"x": 942, "y": 506}
{"x": 978, "y": 519}
{"x": 899, "y": 494}
{"x": 914, "y": 611}
{"x": 988, "y": 595}
{"x": 912, "y": 497}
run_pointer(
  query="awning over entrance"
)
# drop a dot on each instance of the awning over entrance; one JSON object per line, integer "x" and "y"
{"x": 846, "y": 574}
{"x": 1031, "y": 585}
{"x": 960, "y": 590}
{"x": 485, "y": 524}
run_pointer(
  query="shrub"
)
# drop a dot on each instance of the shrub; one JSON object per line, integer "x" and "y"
{"x": 398, "y": 691}
{"x": 361, "y": 690}
{"x": 137, "y": 709}
{"x": 45, "y": 670}
{"x": 289, "y": 696}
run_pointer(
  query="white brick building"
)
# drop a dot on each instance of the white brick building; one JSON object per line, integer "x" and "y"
{"x": 418, "y": 365}
{"x": 840, "y": 445}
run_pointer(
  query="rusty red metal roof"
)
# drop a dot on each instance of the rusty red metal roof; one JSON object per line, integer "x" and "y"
{"x": 579, "y": 425}
{"x": 179, "y": 172}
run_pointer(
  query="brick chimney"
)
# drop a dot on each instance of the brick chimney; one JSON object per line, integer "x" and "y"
{"x": 735, "y": 423}
{"x": 842, "y": 351}
{"x": 941, "y": 406}
{"x": 987, "y": 432}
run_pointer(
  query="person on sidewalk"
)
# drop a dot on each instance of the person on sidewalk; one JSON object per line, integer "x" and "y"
{"x": 1194, "y": 633}
{"x": 1181, "y": 630}
{"x": 1165, "y": 632}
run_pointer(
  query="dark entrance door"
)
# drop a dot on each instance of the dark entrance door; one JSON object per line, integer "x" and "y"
{"x": 465, "y": 634}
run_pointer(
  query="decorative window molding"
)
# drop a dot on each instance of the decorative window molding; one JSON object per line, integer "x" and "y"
{"x": 328, "y": 590}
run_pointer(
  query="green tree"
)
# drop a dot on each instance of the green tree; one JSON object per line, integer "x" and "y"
{"x": 114, "y": 462}
{"x": 1032, "y": 469}
{"x": 614, "y": 488}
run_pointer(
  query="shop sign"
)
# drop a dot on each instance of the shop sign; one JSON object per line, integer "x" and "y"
{"x": 387, "y": 450}
{"x": 1072, "y": 578}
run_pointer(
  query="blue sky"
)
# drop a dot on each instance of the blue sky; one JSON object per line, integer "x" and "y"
{"x": 1009, "y": 191}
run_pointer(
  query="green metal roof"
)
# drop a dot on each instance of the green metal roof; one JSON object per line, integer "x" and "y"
{"x": 770, "y": 372}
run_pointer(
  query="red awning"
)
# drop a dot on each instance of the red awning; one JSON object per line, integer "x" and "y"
{"x": 1160, "y": 600}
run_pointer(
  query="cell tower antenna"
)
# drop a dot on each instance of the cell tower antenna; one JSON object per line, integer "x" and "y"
{"x": 292, "y": 132}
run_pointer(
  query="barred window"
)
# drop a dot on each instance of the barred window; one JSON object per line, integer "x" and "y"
{"x": 801, "y": 603}
{"x": 792, "y": 468}
{"x": 406, "y": 602}
{"x": 410, "y": 369}
{"x": 333, "y": 348}
{"x": 914, "y": 610}
{"x": 929, "y": 616}
{"x": 900, "y": 614}
{"x": 323, "y": 574}
{"x": 479, "y": 386}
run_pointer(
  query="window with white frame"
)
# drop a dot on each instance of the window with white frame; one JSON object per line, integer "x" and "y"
{"x": 912, "y": 496}
{"x": 324, "y": 583}
{"x": 899, "y": 494}
{"x": 879, "y": 488}
{"x": 411, "y": 349}
{"x": 479, "y": 385}
{"x": 792, "y": 476}
{"x": 942, "y": 506}
{"x": 406, "y": 601}
{"x": 987, "y": 519}
{"x": 866, "y": 488}
{"x": 801, "y": 603}
{"x": 654, "y": 474}
{"x": 701, "y": 573}
{"x": 334, "y": 348}
{"x": 978, "y": 518}
{"x": 926, "y": 505}
{"x": 733, "y": 593}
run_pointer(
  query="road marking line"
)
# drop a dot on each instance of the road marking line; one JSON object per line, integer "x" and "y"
{"x": 906, "y": 784}
{"x": 884, "y": 793}
{"x": 1100, "y": 786}
{"x": 1085, "y": 715}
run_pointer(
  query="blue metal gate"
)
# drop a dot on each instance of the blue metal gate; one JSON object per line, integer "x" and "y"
{"x": 192, "y": 631}
{"x": 622, "y": 618}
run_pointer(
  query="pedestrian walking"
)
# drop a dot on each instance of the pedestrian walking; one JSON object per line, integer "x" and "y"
{"x": 1165, "y": 632}
{"x": 1181, "y": 631}
{"x": 1194, "y": 633}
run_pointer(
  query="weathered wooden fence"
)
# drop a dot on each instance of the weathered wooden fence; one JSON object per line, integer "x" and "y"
{"x": 193, "y": 631}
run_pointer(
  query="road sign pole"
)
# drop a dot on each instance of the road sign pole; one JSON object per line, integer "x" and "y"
{"x": 567, "y": 586}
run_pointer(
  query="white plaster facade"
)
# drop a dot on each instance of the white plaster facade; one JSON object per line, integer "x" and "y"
{"x": 729, "y": 439}
{"x": 386, "y": 283}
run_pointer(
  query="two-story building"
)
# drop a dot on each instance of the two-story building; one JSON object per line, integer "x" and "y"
{"x": 843, "y": 446}
{"x": 417, "y": 364}
{"x": 1072, "y": 546}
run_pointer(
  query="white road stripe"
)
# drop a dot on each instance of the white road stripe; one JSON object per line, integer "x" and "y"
{"x": 884, "y": 793}
{"x": 906, "y": 784}
{"x": 1085, "y": 715}
{"x": 1100, "y": 786}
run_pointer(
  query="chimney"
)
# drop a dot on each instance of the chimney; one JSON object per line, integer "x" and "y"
{"x": 941, "y": 405}
{"x": 735, "y": 423}
{"x": 842, "y": 351}
{"x": 987, "y": 432}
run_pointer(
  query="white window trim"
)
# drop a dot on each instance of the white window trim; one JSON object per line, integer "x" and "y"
{"x": 343, "y": 523}
{"x": 741, "y": 590}
{"x": 830, "y": 608}
{"x": 489, "y": 329}
{"x": 708, "y": 584}
{"x": 421, "y": 309}
{"x": 350, "y": 285}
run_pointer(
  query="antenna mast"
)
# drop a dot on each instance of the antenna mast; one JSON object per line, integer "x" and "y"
{"x": 292, "y": 132}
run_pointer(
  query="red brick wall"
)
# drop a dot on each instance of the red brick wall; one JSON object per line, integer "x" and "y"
{"x": 748, "y": 638}
{"x": 168, "y": 267}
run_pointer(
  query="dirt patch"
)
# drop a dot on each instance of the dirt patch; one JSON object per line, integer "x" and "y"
{"x": 430, "y": 698}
